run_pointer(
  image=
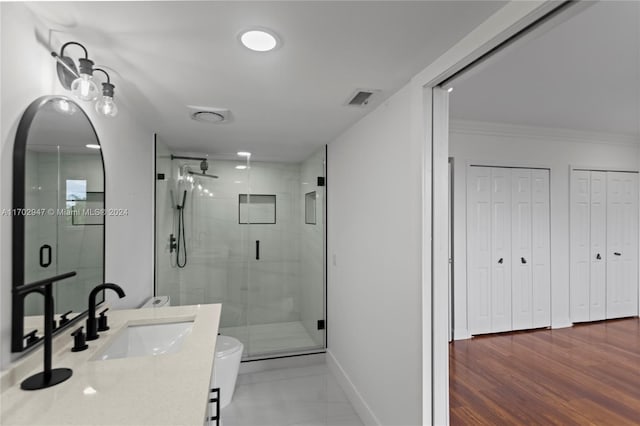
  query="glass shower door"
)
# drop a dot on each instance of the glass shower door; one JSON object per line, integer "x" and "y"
{"x": 252, "y": 240}
{"x": 66, "y": 184}
{"x": 285, "y": 216}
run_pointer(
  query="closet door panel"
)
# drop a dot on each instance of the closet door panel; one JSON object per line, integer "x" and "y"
{"x": 541, "y": 250}
{"x": 622, "y": 207}
{"x": 501, "y": 249}
{"x": 614, "y": 245}
{"x": 630, "y": 244}
{"x": 622, "y": 244}
{"x": 580, "y": 245}
{"x": 479, "y": 253}
{"x": 521, "y": 227}
{"x": 598, "y": 246}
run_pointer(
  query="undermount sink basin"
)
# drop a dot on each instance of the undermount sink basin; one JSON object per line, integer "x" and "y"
{"x": 147, "y": 340}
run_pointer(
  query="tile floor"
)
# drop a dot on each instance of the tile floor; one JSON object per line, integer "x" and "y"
{"x": 302, "y": 396}
{"x": 271, "y": 338}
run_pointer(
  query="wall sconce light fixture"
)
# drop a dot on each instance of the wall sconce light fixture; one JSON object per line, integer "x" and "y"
{"x": 81, "y": 82}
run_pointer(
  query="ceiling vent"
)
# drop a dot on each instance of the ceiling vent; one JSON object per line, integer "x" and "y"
{"x": 209, "y": 114}
{"x": 362, "y": 97}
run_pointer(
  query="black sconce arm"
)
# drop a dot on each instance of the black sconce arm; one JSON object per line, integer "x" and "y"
{"x": 104, "y": 72}
{"x": 86, "y": 54}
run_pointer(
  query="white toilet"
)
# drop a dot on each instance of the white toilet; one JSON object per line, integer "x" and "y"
{"x": 226, "y": 366}
{"x": 227, "y": 358}
{"x": 157, "y": 302}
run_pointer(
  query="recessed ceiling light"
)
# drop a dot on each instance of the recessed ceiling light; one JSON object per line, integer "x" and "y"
{"x": 259, "y": 40}
{"x": 450, "y": 89}
{"x": 241, "y": 167}
{"x": 244, "y": 154}
{"x": 92, "y": 146}
{"x": 208, "y": 116}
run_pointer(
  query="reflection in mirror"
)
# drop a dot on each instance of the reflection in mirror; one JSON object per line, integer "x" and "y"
{"x": 58, "y": 213}
{"x": 310, "y": 208}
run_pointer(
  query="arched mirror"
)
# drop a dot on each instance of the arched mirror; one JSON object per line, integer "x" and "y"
{"x": 58, "y": 214}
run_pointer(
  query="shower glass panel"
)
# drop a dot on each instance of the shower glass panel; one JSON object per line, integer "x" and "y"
{"x": 241, "y": 240}
{"x": 68, "y": 183}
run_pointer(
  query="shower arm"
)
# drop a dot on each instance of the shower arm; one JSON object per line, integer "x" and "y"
{"x": 180, "y": 157}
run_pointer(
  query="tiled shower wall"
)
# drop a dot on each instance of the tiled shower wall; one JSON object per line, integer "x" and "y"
{"x": 285, "y": 285}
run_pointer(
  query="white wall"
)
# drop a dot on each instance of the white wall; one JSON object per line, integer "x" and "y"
{"x": 28, "y": 72}
{"x": 25, "y": 74}
{"x": 374, "y": 274}
{"x": 500, "y": 144}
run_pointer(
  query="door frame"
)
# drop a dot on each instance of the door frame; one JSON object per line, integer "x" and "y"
{"x": 516, "y": 21}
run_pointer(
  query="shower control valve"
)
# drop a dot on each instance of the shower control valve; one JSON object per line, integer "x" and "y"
{"x": 173, "y": 245}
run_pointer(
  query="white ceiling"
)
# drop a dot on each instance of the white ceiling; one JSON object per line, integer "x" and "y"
{"x": 584, "y": 74}
{"x": 285, "y": 103}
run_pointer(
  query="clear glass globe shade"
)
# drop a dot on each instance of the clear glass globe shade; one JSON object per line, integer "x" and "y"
{"x": 107, "y": 107}
{"x": 84, "y": 88}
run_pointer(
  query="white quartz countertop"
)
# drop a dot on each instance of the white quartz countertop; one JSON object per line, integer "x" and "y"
{"x": 170, "y": 389}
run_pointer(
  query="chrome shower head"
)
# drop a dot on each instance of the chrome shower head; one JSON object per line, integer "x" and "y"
{"x": 204, "y": 166}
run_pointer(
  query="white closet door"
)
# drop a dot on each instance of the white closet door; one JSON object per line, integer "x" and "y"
{"x": 580, "y": 245}
{"x": 622, "y": 244}
{"x": 598, "y": 246}
{"x": 501, "y": 250}
{"x": 521, "y": 249}
{"x": 479, "y": 249}
{"x": 540, "y": 249}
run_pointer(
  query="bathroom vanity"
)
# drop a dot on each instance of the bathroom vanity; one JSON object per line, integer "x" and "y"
{"x": 117, "y": 380}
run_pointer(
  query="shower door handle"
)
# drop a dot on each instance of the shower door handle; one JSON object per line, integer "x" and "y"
{"x": 47, "y": 248}
{"x": 257, "y": 249}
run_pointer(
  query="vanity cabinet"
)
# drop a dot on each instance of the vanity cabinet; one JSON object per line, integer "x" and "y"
{"x": 167, "y": 389}
{"x": 213, "y": 407}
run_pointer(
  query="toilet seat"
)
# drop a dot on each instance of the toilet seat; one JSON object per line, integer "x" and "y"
{"x": 226, "y": 346}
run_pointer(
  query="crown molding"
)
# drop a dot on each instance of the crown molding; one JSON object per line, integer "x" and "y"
{"x": 468, "y": 127}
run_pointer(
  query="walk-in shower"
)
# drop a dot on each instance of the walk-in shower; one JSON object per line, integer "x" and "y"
{"x": 251, "y": 236}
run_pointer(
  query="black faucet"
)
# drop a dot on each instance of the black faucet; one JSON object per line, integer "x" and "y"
{"x": 92, "y": 323}
{"x": 49, "y": 376}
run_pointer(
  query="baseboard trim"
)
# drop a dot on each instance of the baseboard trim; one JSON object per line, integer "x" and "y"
{"x": 282, "y": 362}
{"x": 461, "y": 334}
{"x": 563, "y": 324}
{"x": 359, "y": 404}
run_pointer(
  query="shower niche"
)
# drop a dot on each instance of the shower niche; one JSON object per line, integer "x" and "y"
{"x": 237, "y": 232}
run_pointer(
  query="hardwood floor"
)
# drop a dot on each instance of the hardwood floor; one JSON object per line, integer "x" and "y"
{"x": 584, "y": 375}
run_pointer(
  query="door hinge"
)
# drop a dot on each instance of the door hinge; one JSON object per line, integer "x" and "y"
{"x": 320, "y": 324}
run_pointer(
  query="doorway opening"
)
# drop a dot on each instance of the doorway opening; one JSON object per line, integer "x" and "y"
{"x": 526, "y": 128}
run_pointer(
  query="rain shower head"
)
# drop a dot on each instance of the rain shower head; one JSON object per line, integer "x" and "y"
{"x": 204, "y": 166}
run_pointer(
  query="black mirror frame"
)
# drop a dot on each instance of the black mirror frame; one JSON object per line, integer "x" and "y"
{"x": 18, "y": 236}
